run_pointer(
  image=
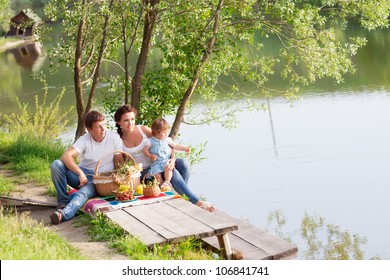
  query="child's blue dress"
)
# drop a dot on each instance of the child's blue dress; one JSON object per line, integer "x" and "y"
{"x": 162, "y": 150}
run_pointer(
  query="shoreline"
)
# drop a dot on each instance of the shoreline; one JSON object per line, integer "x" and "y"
{"x": 12, "y": 44}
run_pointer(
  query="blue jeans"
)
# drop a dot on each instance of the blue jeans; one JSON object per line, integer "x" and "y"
{"x": 62, "y": 177}
{"x": 180, "y": 177}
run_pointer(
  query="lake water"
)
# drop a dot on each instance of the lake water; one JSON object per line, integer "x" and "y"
{"x": 326, "y": 154}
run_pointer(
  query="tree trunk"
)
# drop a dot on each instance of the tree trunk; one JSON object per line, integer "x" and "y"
{"x": 102, "y": 49}
{"x": 80, "y": 130}
{"x": 81, "y": 109}
{"x": 126, "y": 81}
{"x": 195, "y": 79}
{"x": 136, "y": 83}
{"x": 127, "y": 51}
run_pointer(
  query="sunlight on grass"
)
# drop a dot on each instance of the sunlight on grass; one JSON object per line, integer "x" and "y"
{"x": 30, "y": 158}
{"x": 22, "y": 238}
{"x": 6, "y": 185}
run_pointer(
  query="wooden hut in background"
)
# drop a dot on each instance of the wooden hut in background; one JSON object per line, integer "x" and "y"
{"x": 24, "y": 24}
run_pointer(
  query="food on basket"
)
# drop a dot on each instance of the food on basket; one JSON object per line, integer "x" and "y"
{"x": 124, "y": 193}
{"x": 128, "y": 174}
{"x": 139, "y": 189}
{"x": 124, "y": 188}
{"x": 151, "y": 186}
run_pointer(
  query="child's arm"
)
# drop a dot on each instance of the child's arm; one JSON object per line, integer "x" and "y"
{"x": 172, "y": 153}
{"x": 148, "y": 154}
{"x": 180, "y": 147}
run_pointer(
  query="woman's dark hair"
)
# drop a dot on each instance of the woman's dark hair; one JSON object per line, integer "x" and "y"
{"x": 91, "y": 117}
{"x": 120, "y": 112}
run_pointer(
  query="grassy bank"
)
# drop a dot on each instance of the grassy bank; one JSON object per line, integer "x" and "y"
{"x": 22, "y": 238}
{"x": 29, "y": 158}
{"x": 27, "y": 149}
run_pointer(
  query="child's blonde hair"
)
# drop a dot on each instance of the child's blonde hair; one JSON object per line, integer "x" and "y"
{"x": 159, "y": 125}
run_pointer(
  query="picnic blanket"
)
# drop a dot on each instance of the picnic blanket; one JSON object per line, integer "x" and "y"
{"x": 108, "y": 203}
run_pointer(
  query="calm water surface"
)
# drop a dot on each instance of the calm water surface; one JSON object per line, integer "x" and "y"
{"x": 328, "y": 155}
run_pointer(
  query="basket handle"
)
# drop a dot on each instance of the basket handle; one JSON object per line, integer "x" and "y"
{"x": 115, "y": 151}
{"x": 148, "y": 174}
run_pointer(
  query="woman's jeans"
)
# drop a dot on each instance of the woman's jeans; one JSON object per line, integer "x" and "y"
{"x": 180, "y": 177}
{"x": 62, "y": 177}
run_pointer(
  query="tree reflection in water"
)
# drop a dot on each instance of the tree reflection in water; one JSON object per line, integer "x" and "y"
{"x": 323, "y": 241}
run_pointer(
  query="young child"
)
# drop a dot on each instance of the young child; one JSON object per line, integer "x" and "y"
{"x": 160, "y": 149}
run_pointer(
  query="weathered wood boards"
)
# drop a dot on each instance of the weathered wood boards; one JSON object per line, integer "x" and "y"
{"x": 171, "y": 221}
{"x": 13, "y": 201}
{"x": 254, "y": 243}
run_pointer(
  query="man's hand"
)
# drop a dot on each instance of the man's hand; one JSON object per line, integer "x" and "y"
{"x": 83, "y": 180}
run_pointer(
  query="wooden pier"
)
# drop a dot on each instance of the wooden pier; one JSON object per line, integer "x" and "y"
{"x": 173, "y": 220}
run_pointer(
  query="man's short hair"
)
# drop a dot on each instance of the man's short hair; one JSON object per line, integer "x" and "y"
{"x": 91, "y": 117}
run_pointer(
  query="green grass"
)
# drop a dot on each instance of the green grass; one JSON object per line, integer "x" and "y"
{"x": 22, "y": 238}
{"x": 30, "y": 158}
{"x": 6, "y": 185}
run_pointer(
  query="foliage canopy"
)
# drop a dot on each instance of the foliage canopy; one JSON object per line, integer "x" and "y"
{"x": 204, "y": 48}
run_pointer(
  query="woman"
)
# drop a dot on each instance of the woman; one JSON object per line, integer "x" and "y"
{"x": 134, "y": 138}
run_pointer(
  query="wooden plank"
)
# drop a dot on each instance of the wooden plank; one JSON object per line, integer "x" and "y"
{"x": 258, "y": 237}
{"x": 220, "y": 225}
{"x": 161, "y": 224}
{"x": 261, "y": 239}
{"x": 190, "y": 227}
{"x": 135, "y": 228}
{"x": 255, "y": 243}
{"x": 13, "y": 201}
{"x": 153, "y": 220}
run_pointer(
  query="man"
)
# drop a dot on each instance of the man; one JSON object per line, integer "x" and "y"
{"x": 98, "y": 144}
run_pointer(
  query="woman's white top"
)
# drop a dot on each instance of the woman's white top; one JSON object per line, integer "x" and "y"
{"x": 137, "y": 152}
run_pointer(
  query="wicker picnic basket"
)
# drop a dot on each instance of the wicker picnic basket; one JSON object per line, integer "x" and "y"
{"x": 151, "y": 188}
{"x": 108, "y": 182}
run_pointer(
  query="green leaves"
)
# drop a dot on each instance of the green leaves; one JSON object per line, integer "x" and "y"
{"x": 214, "y": 49}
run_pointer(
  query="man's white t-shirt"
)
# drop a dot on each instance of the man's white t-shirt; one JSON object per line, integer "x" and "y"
{"x": 91, "y": 152}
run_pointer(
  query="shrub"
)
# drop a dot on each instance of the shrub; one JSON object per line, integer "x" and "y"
{"x": 45, "y": 123}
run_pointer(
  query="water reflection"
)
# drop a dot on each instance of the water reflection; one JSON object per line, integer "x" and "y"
{"x": 271, "y": 122}
{"x": 10, "y": 76}
{"x": 29, "y": 56}
{"x": 322, "y": 241}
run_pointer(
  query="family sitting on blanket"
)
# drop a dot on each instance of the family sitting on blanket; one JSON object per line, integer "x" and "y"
{"x": 101, "y": 144}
